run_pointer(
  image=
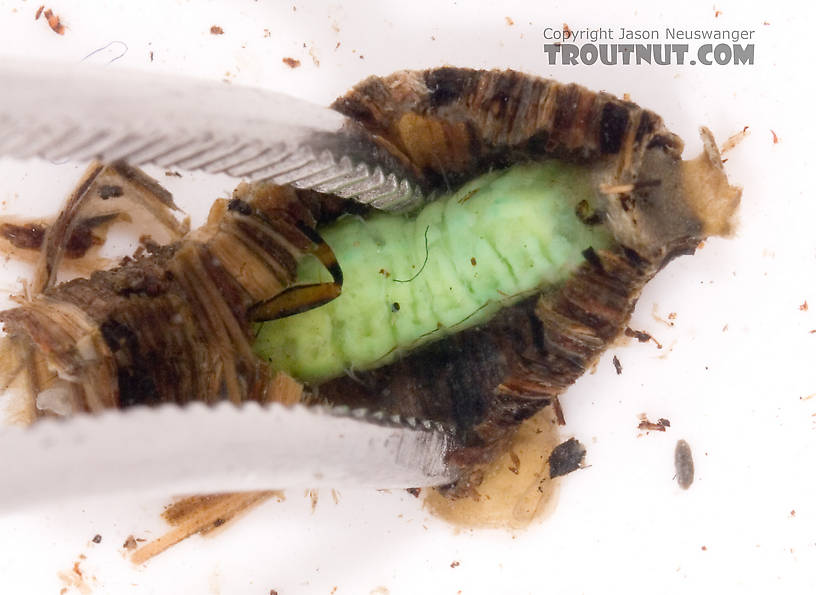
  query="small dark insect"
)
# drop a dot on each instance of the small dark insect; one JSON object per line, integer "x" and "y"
{"x": 617, "y": 364}
{"x": 683, "y": 464}
{"x": 566, "y": 457}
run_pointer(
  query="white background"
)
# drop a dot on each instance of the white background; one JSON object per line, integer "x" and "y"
{"x": 736, "y": 394}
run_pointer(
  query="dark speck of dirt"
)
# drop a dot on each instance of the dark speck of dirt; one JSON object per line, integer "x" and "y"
{"x": 110, "y": 191}
{"x": 617, "y": 364}
{"x": 414, "y": 491}
{"x": 683, "y": 464}
{"x": 216, "y": 30}
{"x": 566, "y": 457}
{"x": 97, "y": 538}
{"x": 130, "y": 543}
{"x": 173, "y": 174}
{"x": 291, "y": 62}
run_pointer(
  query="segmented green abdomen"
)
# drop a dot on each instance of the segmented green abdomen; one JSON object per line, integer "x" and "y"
{"x": 496, "y": 240}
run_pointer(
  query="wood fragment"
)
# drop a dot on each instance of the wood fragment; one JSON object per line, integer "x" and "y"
{"x": 53, "y": 22}
{"x": 659, "y": 426}
{"x": 641, "y": 336}
{"x": 616, "y": 188}
{"x": 199, "y": 514}
{"x": 734, "y": 140}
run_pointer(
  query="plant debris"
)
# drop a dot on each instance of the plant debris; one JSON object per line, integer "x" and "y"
{"x": 97, "y": 538}
{"x": 559, "y": 413}
{"x": 775, "y": 138}
{"x": 52, "y": 19}
{"x": 733, "y": 140}
{"x": 660, "y": 426}
{"x": 291, "y": 62}
{"x": 216, "y": 30}
{"x": 516, "y": 463}
{"x": 641, "y": 336}
{"x": 566, "y": 458}
{"x": 803, "y": 306}
{"x": 198, "y": 514}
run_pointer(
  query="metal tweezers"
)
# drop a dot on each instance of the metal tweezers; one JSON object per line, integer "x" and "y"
{"x": 82, "y": 113}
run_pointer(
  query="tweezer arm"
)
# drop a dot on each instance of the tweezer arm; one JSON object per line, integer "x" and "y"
{"x": 199, "y": 449}
{"x": 84, "y": 112}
